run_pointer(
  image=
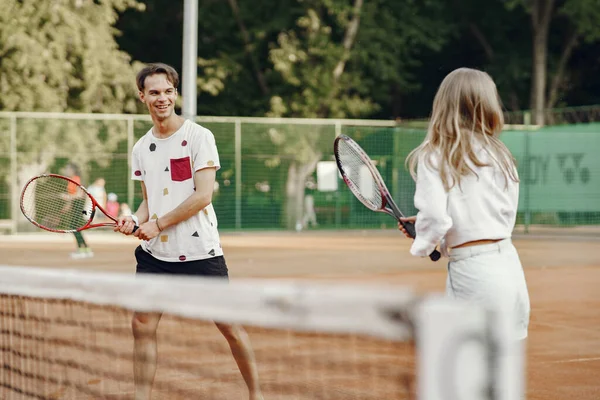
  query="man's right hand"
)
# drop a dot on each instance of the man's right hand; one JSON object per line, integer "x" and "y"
{"x": 125, "y": 225}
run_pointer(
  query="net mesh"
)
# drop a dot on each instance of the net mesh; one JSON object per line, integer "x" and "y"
{"x": 67, "y": 335}
{"x": 357, "y": 175}
{"x": 56, "y": 204}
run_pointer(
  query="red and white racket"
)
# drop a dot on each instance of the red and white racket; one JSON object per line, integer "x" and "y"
{"x": 59, "y": 204}
{"x": 366, "y": 183}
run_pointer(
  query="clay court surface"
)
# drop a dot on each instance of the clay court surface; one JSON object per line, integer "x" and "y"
{"x": 563, "y": 275}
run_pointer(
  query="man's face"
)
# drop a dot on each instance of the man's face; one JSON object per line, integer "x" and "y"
{"x": 159, "y": 95}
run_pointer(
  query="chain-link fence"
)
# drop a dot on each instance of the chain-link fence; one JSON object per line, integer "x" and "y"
{"x": 279, "y": 173}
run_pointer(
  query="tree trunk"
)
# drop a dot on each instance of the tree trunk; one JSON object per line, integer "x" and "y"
{"x": 541, "y": 14}
{"x": 349, "y": 38}
{"x": 538, "y": 83}
{"x": 558, "y": 78}
{"x": 293, "y": 190}
{"x": 348, "y": 42}
{"x": 480, "y": 37}
{"x": 299, "y": 171}
{"x": 295, "y": 185}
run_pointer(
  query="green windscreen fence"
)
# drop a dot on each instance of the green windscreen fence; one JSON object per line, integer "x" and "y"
{"x": 558, "y": 166}
{"x": 268, "y": 177}
{"x": 388, "y": 148}
{"x": 559, "y": 169}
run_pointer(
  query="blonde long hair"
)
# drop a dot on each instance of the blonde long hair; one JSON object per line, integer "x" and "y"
{"x": 466, "y": 106}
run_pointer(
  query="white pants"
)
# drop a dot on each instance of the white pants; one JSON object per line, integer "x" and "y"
{"x": 491, "y": 274}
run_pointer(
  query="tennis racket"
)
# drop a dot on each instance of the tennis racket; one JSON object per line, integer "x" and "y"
{"x": 365, "y": 182}
{"x": 59, "y": 204}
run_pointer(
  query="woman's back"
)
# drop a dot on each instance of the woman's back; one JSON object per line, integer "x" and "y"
{"x": 484, "y": 205}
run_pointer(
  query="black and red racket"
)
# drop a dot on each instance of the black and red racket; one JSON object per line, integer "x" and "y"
{"x": 59, "y": 204}
{"x": 365, "y": 182}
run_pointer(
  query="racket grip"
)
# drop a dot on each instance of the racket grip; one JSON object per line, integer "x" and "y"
{"x": 410, "y": 229}
{"x": 135, "y": 228}
{"x": 435, "y": 255}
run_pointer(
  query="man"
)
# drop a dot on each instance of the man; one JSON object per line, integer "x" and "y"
{"x": 176, "y": 163}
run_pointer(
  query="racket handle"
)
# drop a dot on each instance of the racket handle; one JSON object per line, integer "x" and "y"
{"x": 410, "y": 229}
{"x": 135, "y": 228}
{"x": 435, "y": 255}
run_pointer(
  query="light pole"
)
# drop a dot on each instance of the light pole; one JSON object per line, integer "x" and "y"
{"x": 190, "y": 58}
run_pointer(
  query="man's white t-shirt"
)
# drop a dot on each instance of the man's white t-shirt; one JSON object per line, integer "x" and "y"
{"x": 167, "y": 166}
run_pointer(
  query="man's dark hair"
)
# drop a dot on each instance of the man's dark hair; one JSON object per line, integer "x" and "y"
{"x": 157, "y": 68}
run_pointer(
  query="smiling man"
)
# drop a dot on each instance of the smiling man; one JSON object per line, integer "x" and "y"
{"x": 176, "y": 164}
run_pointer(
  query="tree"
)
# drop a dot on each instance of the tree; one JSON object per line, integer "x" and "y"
{"x": 312, "y": 63}
{"x": 490, "y": 38}
{"x": 581, "y": 19}
{"x": 394, "y": 37}
{"x": 325, "y": 63}
{"x": 584, "y": 18}
{"x": 236, "y": 76}
{"x": 312, "y": 59}
{"x": 62, "y": 56}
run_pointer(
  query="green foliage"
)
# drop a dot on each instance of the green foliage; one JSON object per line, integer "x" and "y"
{"x": 568, "y": 23}
{"x": 585, "y": 16}
{"x": 391, "y": 41}
{"x": 62, "y": 56}
{"x": 306, "y": 58}
{"x": 382, "y": 60}
{"x": 41, "y": 142}
{"x": 582, "y": 15}
{"x": 402, "y": 51}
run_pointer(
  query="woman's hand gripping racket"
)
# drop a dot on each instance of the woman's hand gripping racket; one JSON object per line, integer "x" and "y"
{"x": 365, "y": 182}
{"x": 59, "y": 204}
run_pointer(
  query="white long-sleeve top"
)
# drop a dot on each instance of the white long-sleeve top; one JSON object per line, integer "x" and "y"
{"x": 482, "y": 207}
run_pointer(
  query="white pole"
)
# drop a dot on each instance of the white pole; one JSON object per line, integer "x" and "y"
{"x": 14, "y": 175}
{"x": 130, "y": 142}
{"x": 238, "y": 174}
{"x": 190, "y": 58}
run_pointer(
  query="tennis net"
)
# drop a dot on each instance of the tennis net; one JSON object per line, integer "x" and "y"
{"x": 67, "y": 335}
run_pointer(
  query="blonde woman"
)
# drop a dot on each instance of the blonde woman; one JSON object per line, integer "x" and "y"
{"x": 467, "y": 191}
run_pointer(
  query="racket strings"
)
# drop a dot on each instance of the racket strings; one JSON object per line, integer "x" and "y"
{"x": 56, "y": 204}
{"x": 361, "y": 179}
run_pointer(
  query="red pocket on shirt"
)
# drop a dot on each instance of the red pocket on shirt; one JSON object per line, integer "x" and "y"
{"x": 181, "y": 169}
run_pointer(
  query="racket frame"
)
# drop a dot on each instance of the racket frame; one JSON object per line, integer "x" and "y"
{"x": 388, "y": 205}
{"x": 95, "y": 205}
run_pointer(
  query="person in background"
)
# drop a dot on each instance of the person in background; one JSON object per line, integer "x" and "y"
{"x": 112, "y": 205}
{"x": 71, "y": 171}
{"x": 98, "y": 192}
{"x": 125, "y": 210}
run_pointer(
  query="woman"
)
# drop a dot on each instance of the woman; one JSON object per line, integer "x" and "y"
{"x": 467, "y": 191}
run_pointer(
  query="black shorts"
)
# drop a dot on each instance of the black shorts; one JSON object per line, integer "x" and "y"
{"x": 213, "y": 267}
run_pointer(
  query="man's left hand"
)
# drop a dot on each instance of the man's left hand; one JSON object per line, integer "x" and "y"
{"x": 147, "y": 230}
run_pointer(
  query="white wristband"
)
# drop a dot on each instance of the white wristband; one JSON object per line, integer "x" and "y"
{"x": 135, "y": 219}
